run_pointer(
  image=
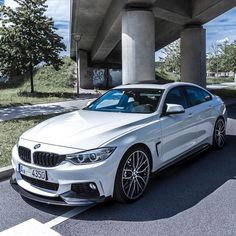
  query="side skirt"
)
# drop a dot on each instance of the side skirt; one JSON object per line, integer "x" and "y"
{"x": 185, "y": 156}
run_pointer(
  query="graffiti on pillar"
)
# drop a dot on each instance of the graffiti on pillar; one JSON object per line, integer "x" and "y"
{"x": 98, "y": 76}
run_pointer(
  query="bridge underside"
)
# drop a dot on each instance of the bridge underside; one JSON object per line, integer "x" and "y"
{"x": 126, "y": 33}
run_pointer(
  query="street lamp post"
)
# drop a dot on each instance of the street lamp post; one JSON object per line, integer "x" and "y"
{"x": 77, "y": 38}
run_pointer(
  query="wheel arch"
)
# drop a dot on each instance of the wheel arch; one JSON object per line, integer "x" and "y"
{"x": 220, "y": 117}
{"x": 144, "y": 146}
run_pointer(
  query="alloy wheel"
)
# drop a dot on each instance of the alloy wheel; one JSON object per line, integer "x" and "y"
{"x": 220, "y": 133}
{"x": 135, "y": 175}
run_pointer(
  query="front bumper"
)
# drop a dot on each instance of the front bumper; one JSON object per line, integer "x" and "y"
{"x": 60, "y": 201}
{"x": 65, "y": 176}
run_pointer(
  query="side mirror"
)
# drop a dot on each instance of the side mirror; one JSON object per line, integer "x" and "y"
{"x": 208, "y": 98}
{"x": 174, "y": 109}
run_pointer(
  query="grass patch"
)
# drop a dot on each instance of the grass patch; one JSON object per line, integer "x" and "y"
{"x": 168, "y": 75}
{"x": 10, "y": 131}
{"x": 176, "y": 77}
{"x": 219, "y": 80}
{"x": 50, "y": 86}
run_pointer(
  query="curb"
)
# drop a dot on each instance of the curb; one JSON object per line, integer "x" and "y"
{"x": 6, "y": 172}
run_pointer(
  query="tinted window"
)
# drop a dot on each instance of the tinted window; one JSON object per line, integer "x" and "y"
{"x": 197, "y": 95}
{"x": 176, "y": 96}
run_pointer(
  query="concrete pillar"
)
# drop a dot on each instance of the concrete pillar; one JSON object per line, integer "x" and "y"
{"x": 138, "y": 46}
{"x": 193, "y": 55}
{"x": 85, "y": 81}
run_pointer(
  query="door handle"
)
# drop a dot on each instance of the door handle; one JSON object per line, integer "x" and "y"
{"x": 190, "y": 115}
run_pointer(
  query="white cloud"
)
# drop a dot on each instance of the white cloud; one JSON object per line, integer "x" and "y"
{"x": 59, "y": 10}
{"x": 11, "y": 3}
{"x": 221, "y": 28}
{"x": 222, "y": 40}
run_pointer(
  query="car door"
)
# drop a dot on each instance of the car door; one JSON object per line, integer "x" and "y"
{"x": 201, "y": 103}
{"x": 178, "y": 130}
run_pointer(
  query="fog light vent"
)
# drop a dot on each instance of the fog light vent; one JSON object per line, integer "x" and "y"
{"x": 85, "y": 190}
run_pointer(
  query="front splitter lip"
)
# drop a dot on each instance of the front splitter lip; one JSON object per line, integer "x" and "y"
{"x": 53, "y": 201}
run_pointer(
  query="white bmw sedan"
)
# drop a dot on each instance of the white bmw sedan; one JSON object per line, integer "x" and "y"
{"x": 112, "y": 147}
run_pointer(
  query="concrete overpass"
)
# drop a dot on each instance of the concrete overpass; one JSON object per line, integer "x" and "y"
{"x": 126, "y": 33}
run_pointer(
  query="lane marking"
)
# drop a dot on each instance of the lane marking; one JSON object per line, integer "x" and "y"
{"x": 67, "y": 215}
{"x": 36, "y": 228}
{"x": 30, "y": 227}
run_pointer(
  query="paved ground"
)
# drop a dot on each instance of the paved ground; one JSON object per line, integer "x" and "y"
{"x": 195, "y": 198}
{"x": 222, "y": 85}
{"x": 44, "y": 109}
{"x": 216, "y": 86}
{"x": 85, "y": 96}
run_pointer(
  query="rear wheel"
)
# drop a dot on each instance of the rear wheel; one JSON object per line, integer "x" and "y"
{"x": 219, "y": 134}
{"x": 132, "y": 175}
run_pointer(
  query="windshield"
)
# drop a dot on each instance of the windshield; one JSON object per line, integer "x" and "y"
{"x": 128, "y": 101}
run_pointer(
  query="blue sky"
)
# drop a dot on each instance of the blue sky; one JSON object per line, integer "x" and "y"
{"x": 220, "y": 29}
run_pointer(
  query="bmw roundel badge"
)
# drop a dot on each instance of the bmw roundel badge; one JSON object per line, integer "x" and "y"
{"x": 37, "y": 146}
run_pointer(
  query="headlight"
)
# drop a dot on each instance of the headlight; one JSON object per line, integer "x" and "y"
{"x": 91, "y": 156}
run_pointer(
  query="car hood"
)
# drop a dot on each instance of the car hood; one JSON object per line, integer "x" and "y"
{"x": 85, "y": 129}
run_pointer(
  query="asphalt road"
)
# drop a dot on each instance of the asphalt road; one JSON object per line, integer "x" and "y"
{"x": 197, "y": 197}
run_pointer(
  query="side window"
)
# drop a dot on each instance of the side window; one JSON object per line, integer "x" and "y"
{"x": 176, "y": 96}
{"x": 197, "y": 95}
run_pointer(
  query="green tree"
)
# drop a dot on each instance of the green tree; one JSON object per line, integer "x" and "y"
{"x": 229, "y": 57}
{"x": 222, "y": 57}
{"x": 172, "y": 57}
{"x": 225, "y": 50}
{"x": 28, "y": 38}
{"x": 214, "y": 58}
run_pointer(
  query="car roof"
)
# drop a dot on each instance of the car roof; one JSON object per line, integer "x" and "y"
{"x": 154, "y": 85}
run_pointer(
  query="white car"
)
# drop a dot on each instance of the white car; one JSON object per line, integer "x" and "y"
{"x": 112, "y": 147}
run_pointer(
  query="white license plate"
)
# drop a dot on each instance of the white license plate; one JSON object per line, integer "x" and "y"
{"x": 32, "y": 172}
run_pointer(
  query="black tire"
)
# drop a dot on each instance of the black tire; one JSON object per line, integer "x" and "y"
{"x": 132, "y": 176}
{"x": 219, "y": 134}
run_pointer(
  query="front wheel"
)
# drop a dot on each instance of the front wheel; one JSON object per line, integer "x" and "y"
{"x": 132, "y": 175}
{"x": 219, "y": 134}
